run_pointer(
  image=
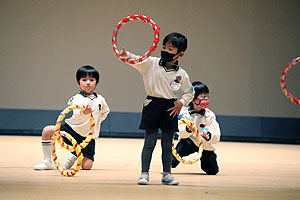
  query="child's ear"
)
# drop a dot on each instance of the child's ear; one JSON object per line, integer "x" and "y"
{"x": 181, "y": 54}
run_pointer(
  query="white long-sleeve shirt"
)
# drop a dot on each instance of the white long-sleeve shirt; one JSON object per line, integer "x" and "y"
{"x": 80, "y": 122}
{"x": 160, "y": 81}
{"x": 207, "y": 121}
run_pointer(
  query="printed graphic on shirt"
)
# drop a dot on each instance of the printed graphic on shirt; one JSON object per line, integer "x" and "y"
{"x": 99, "y": 105}
{"x": 70, "y": 101}
{"x": 175, "y": 85}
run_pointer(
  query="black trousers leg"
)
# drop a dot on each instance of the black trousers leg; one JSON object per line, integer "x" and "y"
{"x": 166, "y": 145}
{"x": 209, "y": 162}
{"x": 149, "y": 145}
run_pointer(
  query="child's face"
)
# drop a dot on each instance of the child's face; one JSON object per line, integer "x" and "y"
{"x": 168, "y": 47}
{"x": 87, "y": 84}
{"x": 197, "y": 102}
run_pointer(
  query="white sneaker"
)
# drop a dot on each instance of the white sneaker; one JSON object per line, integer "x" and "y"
{"x": 71, "y": 159}
{"x": 168, "y": 179}
{"x": 144, "y": 179}
{"x": 44, "y": 165}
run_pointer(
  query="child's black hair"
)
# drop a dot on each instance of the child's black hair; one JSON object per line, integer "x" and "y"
{"x": 178, "y": 40}
{"x": 200, "y": 88}
{"x": 85, "y": 71}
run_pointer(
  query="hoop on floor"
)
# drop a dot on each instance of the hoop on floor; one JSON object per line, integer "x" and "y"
{"x": 75, "y": 147}
{"x": 282, "y": 81}
{"x": 154, "y": 43}
{"x": 196, "y": 132}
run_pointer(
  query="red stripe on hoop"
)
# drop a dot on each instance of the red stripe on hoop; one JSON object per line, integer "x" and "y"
{"x": 118, "y": 26}
{"x": 148, "y": 19}
{"x": 133, "y": 17}
{"x": 295, "y": 100}
{"x": 141, "y": 17}
{"x": 283, "y": 88}
{"x": 125, "y": 20}
{"x": 156, "y": 40}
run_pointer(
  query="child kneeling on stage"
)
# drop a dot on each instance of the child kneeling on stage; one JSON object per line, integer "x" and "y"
{"x": 78, "y": 126}
{"x": 205, "y": 121}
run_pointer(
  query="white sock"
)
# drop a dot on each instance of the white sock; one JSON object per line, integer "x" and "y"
{"x": 46, "y": 149}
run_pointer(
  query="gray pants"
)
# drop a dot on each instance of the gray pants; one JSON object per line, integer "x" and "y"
{"x": 149, "y": 145}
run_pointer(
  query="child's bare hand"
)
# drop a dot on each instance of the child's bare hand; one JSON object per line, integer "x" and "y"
{"x": 176, "y": 109}
{"x": 192, "y": 128}
{"x": 87, "y": 110}
{"x": 122, "y": 53}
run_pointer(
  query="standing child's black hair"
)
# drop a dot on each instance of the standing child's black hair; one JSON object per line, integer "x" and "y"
{"x": 85, "y": 71}
{"x": 178, "y": 40}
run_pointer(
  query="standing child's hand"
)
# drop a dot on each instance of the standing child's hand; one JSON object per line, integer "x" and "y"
{"x": 176, "y": 109}
{"x": 87, "y": 110}
{"x": 122, "y": 53}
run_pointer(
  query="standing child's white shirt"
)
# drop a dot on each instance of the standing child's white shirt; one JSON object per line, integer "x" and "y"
{"x": 80, "y": 122}
{"x": 161, "y": 82}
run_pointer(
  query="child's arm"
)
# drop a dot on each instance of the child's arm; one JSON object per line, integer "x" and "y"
{"x": 142, "y": 67}
{"x": 104, "y": 110}
{"x": 184, "y": 131}
{"x": 213, "y": 130}
{"x": 186, "y": 98}
{"x": 188, "y": 91}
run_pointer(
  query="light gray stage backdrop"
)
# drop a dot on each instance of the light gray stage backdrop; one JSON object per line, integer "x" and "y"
{"x": 237, "y": 47}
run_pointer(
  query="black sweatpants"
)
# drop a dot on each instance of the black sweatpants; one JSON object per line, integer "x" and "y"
{"x": 208, "y": 159}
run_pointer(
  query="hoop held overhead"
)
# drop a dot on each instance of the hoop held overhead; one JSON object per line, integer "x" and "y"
{"x": 154, "y": 43}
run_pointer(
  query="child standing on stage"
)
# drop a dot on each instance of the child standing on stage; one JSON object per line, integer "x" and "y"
{"x": 205, "y": 121}
{"x": 164, "y": 81}
{"x": 78, "y": 125}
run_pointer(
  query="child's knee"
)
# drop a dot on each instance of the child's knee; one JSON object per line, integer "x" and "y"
{"x": 48, "y": 131}
{"x": 87, "y": 164}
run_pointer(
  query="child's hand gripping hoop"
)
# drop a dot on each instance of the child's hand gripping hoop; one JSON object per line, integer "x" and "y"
{"x": 282, "y": 81}
{"x": 196, "y": 132}
{"x": 58, "y": 136}
{"x": 151, "y": 49}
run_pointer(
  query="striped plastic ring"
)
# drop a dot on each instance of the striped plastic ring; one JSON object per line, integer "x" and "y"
{"x": 282, "y": 81}
{"x": 75, "y": 146}
{"x": 196, "y": 132}
{"x": 154, "y": 43}
{"x": 55, "y": 158}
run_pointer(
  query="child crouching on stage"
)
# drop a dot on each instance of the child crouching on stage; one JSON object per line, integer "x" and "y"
{"x": 205, "y": 121}
{"x": 78, "y": 125}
